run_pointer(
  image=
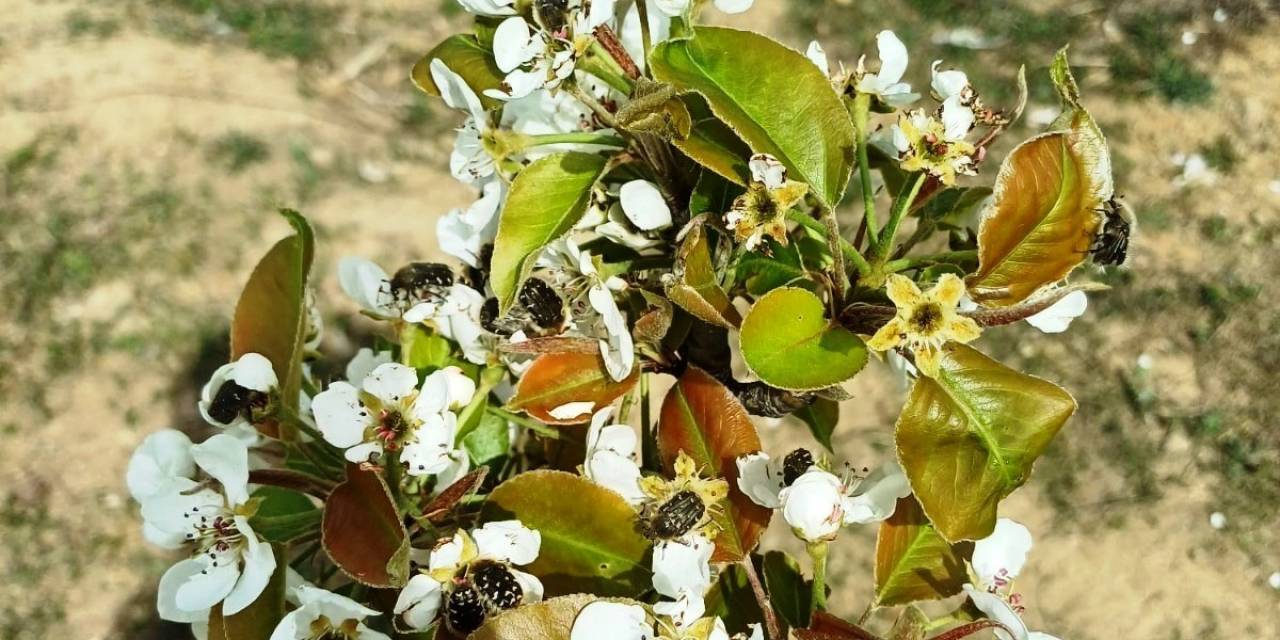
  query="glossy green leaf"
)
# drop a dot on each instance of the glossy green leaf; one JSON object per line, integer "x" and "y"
{"x": 914, "y": 562}
{"x": 705, "y": 420}
{"x": 490, "y": 439}
{"x": 772, "y": 96}
{"x": 790, "y": 344}
{"x": 557, "y": 379}
{"x": 789, "y": 593}
{"x": 271, "y": 315}
{"x": 970, "y": 436}
{"x": 955, "y": 208}
{"x": 258, "y": 620}
{"x": 363, "y": 533}
{"x": 821, "y": 416}
{"x": 425, "y": 350}
{"x": 467, "y": 57}
{"x": 589, "y": 541}
{"x": 696, "y": 288}
{"x": 547, "y": 620}
{"x": 712, "y": 144}
{"x": 547, "y": 198}
{"x": 763, "y": 272}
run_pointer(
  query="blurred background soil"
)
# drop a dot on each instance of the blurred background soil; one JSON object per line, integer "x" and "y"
{"x": 145, "y": 145}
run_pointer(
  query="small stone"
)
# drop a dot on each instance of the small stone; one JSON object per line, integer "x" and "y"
{"x": 1217, "y": 520}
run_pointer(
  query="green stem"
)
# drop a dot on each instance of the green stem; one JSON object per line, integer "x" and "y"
{"x": 948, "y": 257}
{"x": 850, "y": 253}
{"x": 900, "y": 208}
{"x": 646, "y": 38}
{"x": 467, "y": 419}
{"x": 577, "y": 137}
{"x": 598, "y": 109}
{"x": 838, "y": 276}
{"x": 818, "y": 553}
{"x": 648, "y": 439}
{"x": 528, "y": 423}
{"x": 600, "y": 64}
{"x": 861, "y": 116}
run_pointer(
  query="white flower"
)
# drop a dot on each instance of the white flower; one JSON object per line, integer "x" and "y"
{"x": 615, "y": 225}
{"x": 618, "y": 350}
{"x": 632, "y": 37}
{"x": 687, "y": 608}
{"x": 463, "y": 233}
{"x": 1058, "y": 316}
{"x": 767, "y": 170}
{"x": 613, "y": 620}
{"x": 734, "y": 6}
{"x": 999, "y": 558}
{"x": 677, "y": 8}
{"x": 1001, "y": 611}
{"x": 230, "y": 564}
{"x": 534, "y": 59}
{"x": 644, "y": 205}
{"x": 946, "y": 84}
{"x": 506, "y": 543}
{"x": 364, "y": 362}
{"x": 236, "y": 390}
{"x": 761, "y": 478}
{"x": 818, "y": 502}
{"x": 611, "y": 457}
{"x": 680, "y": 565}
{"x": 492, "y": 8}
{"x": 957, "y": 119}
{"x": 389, "y": 412}
{"x": 325, "y": 614}
{"x": 886, "y": 84}
{"x": 162, "y": 458}
{"x": 368, "y": 285}
{"x": 457, "y": 317}
{"x": 818, "y": 56}
{"x": 470, "y": 160}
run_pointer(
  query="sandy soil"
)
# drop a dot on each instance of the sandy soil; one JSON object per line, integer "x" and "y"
{"x": 81, "y": 570}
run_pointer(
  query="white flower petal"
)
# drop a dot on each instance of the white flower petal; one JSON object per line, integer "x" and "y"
{"x": 254, "y": 371}
{"x": 363, "y": 452}
{"x": 767, "y": 170}
{"x": 447, "y": 555}
{"x": 511, "y": 44}
{"x": 391, "y": 382}
{"x": 948, "y": 83}
{"x": 615, "y": 472}
{"x": 259, "y": 564}
{"x": 685, "y": 610}
{"x": 818, "y": 56}
{"x": 1001, "y": 555}
{"x": 813, "y": 505}
{"x": 957, "y": 119}
{"x": 456, "y": 92}
{"x": 530, "y": 586}
{"x": 997, "y": 609}
{"x": 340, "y": 416}
{"x": 162, "y": 457}
{"x": 491, "y": 8}
{"x": 757, "y": 480}
{"x": 366, "y": 283}
{"x": 878, "y": 495}
{"x": 681, "y": 565}
{"x": 734, "y": 6}
{"x": 364, "y": 362}
{"x": 572, "y": 410}
{"x": 208, "y": 587}
{"x": 508, "y": 540}
{"x": 227, "y": 460}
{"x": 1058, "y": 316}
{"x": 644, "y": 205}
{"x": 419, "y": 602}
{"x": 613, "y": 620}
{"x": 893, "y": 57}
{"x": 167, "y": 593}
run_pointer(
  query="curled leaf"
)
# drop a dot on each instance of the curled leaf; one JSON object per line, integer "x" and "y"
{"x": 696, "y": 288}
{"x": 558, "y": 379}
{"x": 362, "y": 532}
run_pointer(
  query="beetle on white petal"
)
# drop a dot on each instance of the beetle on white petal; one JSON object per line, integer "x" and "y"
{"x": 230, "y": 563}
{"x": 887, "y": 83}
{"x": 471, "y": 575}
{"x": 324, "y": 614}
{"x": 390, "y": 412}
{"x": 239, "y": 392}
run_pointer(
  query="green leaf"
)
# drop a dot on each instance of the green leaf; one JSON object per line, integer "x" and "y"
{"x": 547, "y": 620}
{"x": 705, "y": 420}
{"x": 789, "y": 593}
{"x": 763, "y": 272}
{"x": 467, "y": 57}
{"x": 546, "y": 200}
{"x": 712, "y": 144}
{"x": 258, "y": 620}
{"x": 773, "y": 97}
{"x": 821, "y": 416}
{"x": 955, "y": 208}
{"x": 363, "y": 533}
{"x": 914, "y": 562}
{"x": 589, "y": 541}
{"x": 271, "y": 315}
{"x": 970, "y": 436}
{"x": 713, "y": 195}
{"x": 284, "y": 515}
{"x": 732, "y": 599}
{"x": 490, "y": 440}
{"x": 696, "y": 288}
{"x": 790, "y": 344}
{"x": 424, "y": 350}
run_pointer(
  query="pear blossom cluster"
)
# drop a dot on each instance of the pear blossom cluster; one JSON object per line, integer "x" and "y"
{"x": 430, "y": 480}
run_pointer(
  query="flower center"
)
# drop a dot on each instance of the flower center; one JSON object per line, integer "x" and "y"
{"x": 391, "y": 428}
{"x": 323, "y": 629}
{"x": 926, "y": 319}
{"x": 213, "y": 533}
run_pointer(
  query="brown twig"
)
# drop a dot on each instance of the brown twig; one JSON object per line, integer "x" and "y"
{"x": 762, "y": 598}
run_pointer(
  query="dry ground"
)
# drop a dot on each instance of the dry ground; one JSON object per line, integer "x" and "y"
{"x": 146, "y": 144}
